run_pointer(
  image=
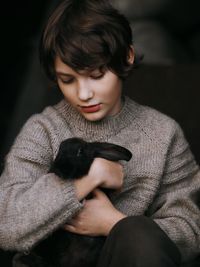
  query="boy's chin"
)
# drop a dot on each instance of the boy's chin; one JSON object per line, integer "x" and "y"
{"x": 93, "y": 116}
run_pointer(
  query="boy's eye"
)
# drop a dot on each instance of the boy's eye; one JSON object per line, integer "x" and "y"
{"x": 68, "y": 81}
{"x": 97, "y": 76}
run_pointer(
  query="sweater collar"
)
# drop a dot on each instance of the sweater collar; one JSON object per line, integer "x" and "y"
{"x": 97, "y": 130}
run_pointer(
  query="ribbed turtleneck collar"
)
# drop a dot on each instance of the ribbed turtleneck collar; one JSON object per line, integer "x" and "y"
{"x": 97, "y": 130}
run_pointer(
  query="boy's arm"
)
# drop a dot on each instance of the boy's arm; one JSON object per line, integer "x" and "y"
{"x": 176, "y": 208}
{"x": 33, "y": 202}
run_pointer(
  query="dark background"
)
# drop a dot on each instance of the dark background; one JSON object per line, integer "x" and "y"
{"x": 167, "y": 33}
{"x": 20, "y": 21}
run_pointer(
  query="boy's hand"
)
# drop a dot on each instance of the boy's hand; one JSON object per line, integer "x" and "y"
{"x": 108, "y": 174}
{"x": 97, "y": 217}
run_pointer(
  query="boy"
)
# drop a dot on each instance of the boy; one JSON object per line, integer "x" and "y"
{"x": 153, "y": 220}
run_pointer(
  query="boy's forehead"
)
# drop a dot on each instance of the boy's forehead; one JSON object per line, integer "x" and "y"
{"x": 63, "y": 68}
{"x": 60, "y": 66}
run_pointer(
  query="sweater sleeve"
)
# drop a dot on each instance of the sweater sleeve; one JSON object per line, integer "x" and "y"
{"x": 176, "y": 208}
{"x": 33, "y": 202}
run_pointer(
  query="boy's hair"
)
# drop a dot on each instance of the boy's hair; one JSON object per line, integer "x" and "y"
{"x": 87, "y": 35}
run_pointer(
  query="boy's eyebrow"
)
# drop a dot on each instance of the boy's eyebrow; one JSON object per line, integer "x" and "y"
{"x": 63, "y": 73}
{"x": 60, "y": 73}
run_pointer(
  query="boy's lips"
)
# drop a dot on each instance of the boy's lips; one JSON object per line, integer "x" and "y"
{"x": 91, "y": 108}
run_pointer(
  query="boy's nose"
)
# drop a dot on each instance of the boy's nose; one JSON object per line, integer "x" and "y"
{"x": 85, "y": 92}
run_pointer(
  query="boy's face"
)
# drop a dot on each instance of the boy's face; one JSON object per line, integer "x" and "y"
{"x": 95, "y": 95}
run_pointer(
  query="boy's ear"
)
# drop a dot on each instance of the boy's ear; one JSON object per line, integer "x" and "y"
{"x": 131, "y": 55}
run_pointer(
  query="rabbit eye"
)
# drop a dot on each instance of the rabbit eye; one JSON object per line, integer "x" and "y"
{"x": 79, "y": 153}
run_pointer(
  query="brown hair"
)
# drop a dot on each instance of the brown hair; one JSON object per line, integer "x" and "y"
{"x": 87, "y": 35}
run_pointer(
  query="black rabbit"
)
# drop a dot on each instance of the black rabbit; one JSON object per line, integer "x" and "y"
{"x": 75, "y": 156}
{"x": 62, "y": 248}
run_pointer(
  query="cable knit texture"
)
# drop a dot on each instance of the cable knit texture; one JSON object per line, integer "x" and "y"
{"x": 162, "y": 179}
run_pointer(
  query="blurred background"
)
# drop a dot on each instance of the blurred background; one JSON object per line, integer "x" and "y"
{"x": 166, "y": 32}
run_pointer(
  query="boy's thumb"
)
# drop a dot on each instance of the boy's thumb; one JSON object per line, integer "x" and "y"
{"x": 98, "y": 193}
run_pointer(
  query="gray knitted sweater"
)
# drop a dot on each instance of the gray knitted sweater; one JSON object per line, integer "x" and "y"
{"x": 161, "y": 180}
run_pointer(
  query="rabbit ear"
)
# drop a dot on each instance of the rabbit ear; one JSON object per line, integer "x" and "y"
{"x": 111, "y": 151}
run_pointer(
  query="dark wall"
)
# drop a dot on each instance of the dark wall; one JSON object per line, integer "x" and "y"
{"x": 20, "y": 21}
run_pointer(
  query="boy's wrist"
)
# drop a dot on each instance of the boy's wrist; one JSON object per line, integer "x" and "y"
{"x": 115, "y": 219}
{"x": 85, "y": 185}
{"x": 94, "y": 181}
